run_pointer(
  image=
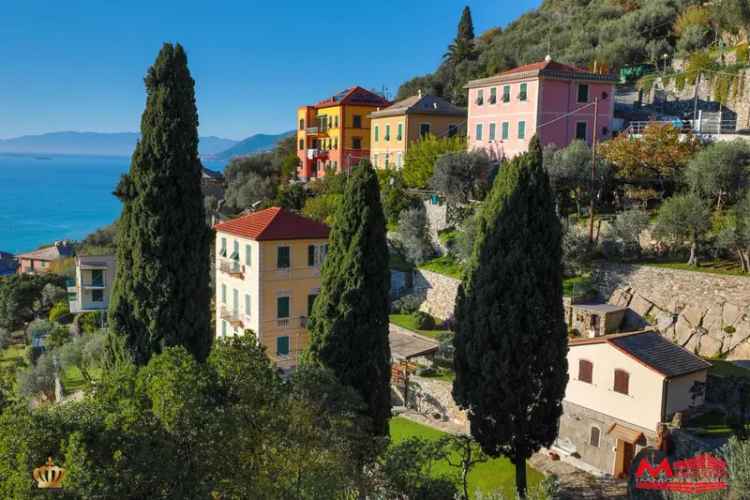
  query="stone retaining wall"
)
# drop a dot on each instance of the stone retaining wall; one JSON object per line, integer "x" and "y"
{"x": 438, "y": 291}
{"x": 706, "y": 313}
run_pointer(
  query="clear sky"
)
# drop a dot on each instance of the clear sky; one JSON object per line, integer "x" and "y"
{"x": 79, "y": 65}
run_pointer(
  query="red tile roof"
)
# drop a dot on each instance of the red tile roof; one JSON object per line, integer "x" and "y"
{"x": 354, "y": 95}
{"x": 545, "y": 64}
{"x": 274, "y": 223}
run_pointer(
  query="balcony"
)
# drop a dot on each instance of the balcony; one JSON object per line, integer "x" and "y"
{"x": 233, "y": 268}
{"x": 93, "y": 283}
{"x": 231, "y": 316}
{"x": 319, "y": 130}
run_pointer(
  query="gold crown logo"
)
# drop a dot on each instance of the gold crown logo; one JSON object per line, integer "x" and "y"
{"x": 49, "y": 476}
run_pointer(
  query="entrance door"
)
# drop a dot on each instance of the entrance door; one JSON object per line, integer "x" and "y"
{"x": 623, "y": 457}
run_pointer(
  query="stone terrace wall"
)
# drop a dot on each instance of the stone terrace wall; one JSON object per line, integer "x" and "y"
{"x": 706, "y": 313}
{"x": 439, "y": 293}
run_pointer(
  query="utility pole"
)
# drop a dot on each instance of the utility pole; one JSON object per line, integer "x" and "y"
{"x": 593, "y": 171}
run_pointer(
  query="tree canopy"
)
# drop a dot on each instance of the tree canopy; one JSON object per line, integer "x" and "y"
{"x": 421, "y": 157}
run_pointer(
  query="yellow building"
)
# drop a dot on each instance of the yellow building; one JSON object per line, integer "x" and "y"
{"x": 395, "y": 127}
{"x": 267, "y": 277}
{"x": 335, "y": 133}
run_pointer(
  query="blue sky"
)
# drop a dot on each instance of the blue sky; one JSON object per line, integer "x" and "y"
{"x": 79, "y": 65}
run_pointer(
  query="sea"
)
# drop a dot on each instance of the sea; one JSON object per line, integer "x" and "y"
{"x": 48, "y": 198}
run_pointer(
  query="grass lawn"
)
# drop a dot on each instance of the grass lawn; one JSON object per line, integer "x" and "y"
{"x": 712, "y": 425}
{"x": 445, "y": 264}
{"x": 579, "y": 284}
{"x": 721, "y": 368}
{"x": 408, "y": 322}
{"x": 444, "y": 374}
{"x": 497, "y": 474}
{"x": 73, "y": 380}
{"x": 13, "y": 355}
{"x": 723, "y": 267}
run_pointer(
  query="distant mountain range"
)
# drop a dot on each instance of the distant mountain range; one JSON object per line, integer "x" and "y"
{"x": 123, "y": 143}
{"x": 253, "y": 144}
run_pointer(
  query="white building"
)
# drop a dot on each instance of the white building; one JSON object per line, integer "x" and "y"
{"x": 92, "y": 287}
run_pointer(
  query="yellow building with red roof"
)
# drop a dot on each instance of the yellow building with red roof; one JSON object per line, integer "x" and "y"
{"x": 267, "y": 278}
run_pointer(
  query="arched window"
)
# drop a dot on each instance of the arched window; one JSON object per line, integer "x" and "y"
{"x": 594, "y": 436}
{"x": 622, "y": 381}
{"x": 585, "y": 371}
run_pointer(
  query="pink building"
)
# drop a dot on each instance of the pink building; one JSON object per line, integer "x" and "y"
{"x": 551, "y": 99}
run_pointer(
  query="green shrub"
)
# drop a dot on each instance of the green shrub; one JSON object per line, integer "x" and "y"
{"x": 61, "y": 308}
{"x": 423, "y": 320}
{"x": 407, "y": 304}
{"x": 89, "y": 322}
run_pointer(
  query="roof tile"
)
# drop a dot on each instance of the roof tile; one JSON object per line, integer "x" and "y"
{"x": 274, "y": 223}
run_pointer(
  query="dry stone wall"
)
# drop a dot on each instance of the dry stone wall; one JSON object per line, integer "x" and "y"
{"x": 706, "y": 313}
{"x": 438, "y": 291}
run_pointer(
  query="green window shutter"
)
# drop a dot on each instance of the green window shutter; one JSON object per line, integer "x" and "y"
{"x": 377, "y": 134}
{"x": 311, "y": 255}
{"x": 522, "y": 95}
{"x": 282, "y": 258}
{"x": 583, "y": 93}
{"x": 479, "y": 132}
{"x": 521, "y": 130}
{"x": 310, "y": 303}
{"x": 248, "y": 255}
{"x": 282, "y": 346}
{"x": 492, "y": 132}
{"x": 506, "y": 132}
{"x": 506, "y": 93}
{"x": 400, "y": 132}
{"x": 282, "y": 307}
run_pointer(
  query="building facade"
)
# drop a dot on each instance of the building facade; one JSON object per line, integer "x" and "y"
{"x": 335, "y": 132}
{"x": 267, "y": 278}
{"x": 622, "y": 388}
{"x": 553, "y": 100}
{"x": 39, "y": 261}
{"x": 91, "y": 288}
{"x": 392, "y": 129}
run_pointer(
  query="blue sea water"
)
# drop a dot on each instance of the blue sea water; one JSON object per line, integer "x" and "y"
{"x": 49, "y": 198}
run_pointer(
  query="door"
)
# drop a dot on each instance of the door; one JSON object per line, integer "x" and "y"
{"x": 624, "y": 454}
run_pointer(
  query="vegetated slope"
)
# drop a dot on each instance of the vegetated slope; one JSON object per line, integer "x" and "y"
{"x": 579, "y": 32}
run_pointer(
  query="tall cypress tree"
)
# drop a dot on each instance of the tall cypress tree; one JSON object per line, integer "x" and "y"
{"x": 462, "y": 48}
{"x": 349, "y": 322}
{"x": 510, "y": 340}
{"x": 161, "y": 295}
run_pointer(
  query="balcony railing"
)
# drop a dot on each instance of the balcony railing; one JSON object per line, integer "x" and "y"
{"x": 232, "y": 268}
{"x": 98, "y": 283}
{"x": 292, "y": 322}
{"x": 704, "y": 126}
{"x": 232, "y": 316}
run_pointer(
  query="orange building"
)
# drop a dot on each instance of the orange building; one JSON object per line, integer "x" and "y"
{"x": 335, "y": 133}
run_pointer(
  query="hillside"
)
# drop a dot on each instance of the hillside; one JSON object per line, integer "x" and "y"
{"x": 611, "y": 32}
{"x": 94, "y": 143}
{"x": 254, "y": 144}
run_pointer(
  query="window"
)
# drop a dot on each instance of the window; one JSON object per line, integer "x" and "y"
{"x": 375, "y": 160}
{"x": 301, "y": 144}
{"x": 492, "y": 132}
{"x": 235, "y": 251}
{"x": 323, "y": 253}
{"x": 387, "y": 132}
{"x": 493, "y": 95}
{"x": 223, "y": 328}
{"x": 522, "y": 130}
{"x": 583, "y": 93}
{"x": 523, "y": 94}
{"x": 248, "y": 255}
{"x": 330, "y": 121}
{"x": 505, "y": 131}
{"x": 97, "y": 277}
{"x": 335, "y": 143}
{"x": 312, "y": 254}
{"x": 282, "y": 346}
{"x": 247, "y": 305}
{"x": 452, "y": 130}
{"x": 424, "y": 129}
{"x": 302, "y": 124}
{"x": 585, "y": 371}
{"x": 480, "y": 97}
{"x": 223, "y": 251}
{"x": 594, "y": 437}
{"x": 97, "y": 295}
{"x": 377, "y": 133}
{"x": 235, "y": 302}
{"x": 399, "y": 159}
{"x": 506, "y": 93}
{"x": 581, "y": 131}
{"x": 310, "y": 303}
{"x": 479, "y": 132}
{"x": 357, "y": 121}
{"x": 282, "y": 258}
{"x": 282, "y": 307}
{"x": 223, "y": 294}
{"x": 336, "y": 121}
{"x": 622, "y": 380}
{"x": 400, "y": 132}
{"x": 356, "y": 143}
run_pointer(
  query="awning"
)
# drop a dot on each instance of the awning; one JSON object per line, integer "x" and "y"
{"x": 627, "y": 434}
{"x": 406, "y": 344}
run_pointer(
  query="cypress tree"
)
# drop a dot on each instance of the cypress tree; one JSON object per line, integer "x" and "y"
{"x": 161, "y": 295}
{"x": 349, "y": 322}
{"x": 466, "y": 25}
{"x": 462, "y": 48}
{"x": 510, "y": 340}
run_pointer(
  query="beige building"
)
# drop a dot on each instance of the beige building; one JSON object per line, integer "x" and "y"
{"x": 92, "y": 286}
{"x": 267, "y": 277}
{"x": 41, "y": 260}
{"x": 392, "y": 129}
{"x": 621, "y": 389}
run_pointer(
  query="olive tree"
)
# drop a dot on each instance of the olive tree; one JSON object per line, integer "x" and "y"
{"x": 683, "y": 218}
{"x": 721, "y": 171}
